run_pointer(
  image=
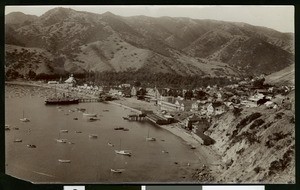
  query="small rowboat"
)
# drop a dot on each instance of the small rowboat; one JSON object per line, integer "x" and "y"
{"x": 18, "y": 140}
{"x": 117, "y": 170}
{"x": 93, "y": 136}
{"x": 61, "y": 140}
{"x": 64, "y": 161}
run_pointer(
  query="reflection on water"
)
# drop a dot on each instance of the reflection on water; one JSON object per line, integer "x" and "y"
{"x": 91, "y": 159}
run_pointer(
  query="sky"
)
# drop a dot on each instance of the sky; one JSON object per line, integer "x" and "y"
{"x": 280, "y": 18}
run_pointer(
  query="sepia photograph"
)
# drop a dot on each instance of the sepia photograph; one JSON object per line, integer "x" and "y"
{"x": 150, "y": 94}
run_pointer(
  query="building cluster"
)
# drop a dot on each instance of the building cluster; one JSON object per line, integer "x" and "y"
{"x": 205, "y": 102}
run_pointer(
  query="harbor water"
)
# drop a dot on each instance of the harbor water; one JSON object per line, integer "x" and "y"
{"x": 168, "y": 159}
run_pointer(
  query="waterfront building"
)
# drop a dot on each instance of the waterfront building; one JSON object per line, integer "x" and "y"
{"x": 70, "y": 81}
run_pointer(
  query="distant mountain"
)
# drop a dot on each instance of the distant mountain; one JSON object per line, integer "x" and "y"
{"x": 84, "y": 41}
{"x": 19, "y": 18}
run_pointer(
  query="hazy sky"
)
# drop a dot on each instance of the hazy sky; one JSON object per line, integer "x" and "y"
{"x": 280, "y": 18}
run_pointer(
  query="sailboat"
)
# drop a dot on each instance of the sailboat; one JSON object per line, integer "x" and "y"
{"x": 89, "y": 114}
{"x": 60, "y": 140}
{"x": 24, "y": 119}
{"x": 123, "y": 152}
{"x": 117, "y": 169}
{"x": 148, "y": 138}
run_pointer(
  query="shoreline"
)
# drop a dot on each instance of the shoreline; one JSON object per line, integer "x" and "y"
{"x": 204, "y": 153}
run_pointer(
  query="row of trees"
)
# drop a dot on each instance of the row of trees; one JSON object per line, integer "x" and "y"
{"x": 132, "y": 77}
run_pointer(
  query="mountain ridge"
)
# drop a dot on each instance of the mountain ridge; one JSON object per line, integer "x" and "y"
{"x": 107, "y": 42}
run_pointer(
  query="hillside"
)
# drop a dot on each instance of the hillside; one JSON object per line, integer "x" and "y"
{"x": 85, "y": 41}
{"x": 285, "y": 76}
{"x": 254, "y": 145}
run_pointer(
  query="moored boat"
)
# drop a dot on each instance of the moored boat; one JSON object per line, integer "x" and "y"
{"x": 18, "y": 140}
{"x": 123, "y": 152}
{"x": 119, "y": 128}
{"x": 117, "y": 170}
{"x": 93, "y": 136}
{"x": 89, "y": 114}
{"x": 64, "y": 161}
{"x": 61, "y": 140}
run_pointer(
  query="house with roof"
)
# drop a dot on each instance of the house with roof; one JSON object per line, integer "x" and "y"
{"x": 219, "y": 108}
{"x": 196, "y": 106}
{"x": 70, "y": 81}
{"x": 184, "y": 105}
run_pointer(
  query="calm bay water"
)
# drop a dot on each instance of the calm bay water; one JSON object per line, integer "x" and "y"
{"x": 91, "y": 159}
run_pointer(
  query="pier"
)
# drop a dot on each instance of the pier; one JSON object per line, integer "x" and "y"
{"x": 157, "y": 119}
{"x": 85, "y": 100}
{"x": 136, "y": 117}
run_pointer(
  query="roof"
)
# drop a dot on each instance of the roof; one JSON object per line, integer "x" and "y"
{"x": 71, "y": 79}
{"x": 194, "y": 117}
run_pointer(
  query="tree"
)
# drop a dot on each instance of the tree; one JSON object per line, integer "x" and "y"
{"x": 12, "y": 74}
{"x": 31, "y": 74}
{"x": 188, "y": 95}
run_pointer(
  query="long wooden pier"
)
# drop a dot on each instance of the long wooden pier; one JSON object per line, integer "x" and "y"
{"x": 84, "y": 100}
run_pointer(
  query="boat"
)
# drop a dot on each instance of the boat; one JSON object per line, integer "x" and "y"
{"x": 93, "y": 136}
{"x": 123, "y": 152}
{"x": 89, "y": 114}
{"x": 61, "y": 140}
{"x": 119, "y": 128}
{"x": 64, "y": 161}
{"x": 31, "y": 146}
{"x": 24, "y": 119}
{"x": 64, "y": 100}
{"x": 81, "y": 109}
{"x": 61, "y": 101}
{"x": 75, "y": 118}
{"x": 109, "y": 144}
{"x": 92, "y": 119}
{"x": 117, "y": 170}
{"x": 18, "y": 140}
{"x": 193, "y": 147}
{"x": 78, "y": 132}
{"x": 148, "y": 138}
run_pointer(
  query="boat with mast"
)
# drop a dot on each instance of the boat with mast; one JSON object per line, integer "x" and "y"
{"x": 123, "y": 152}
{"x": 148, "y": 138}
{"x": 24, "y": 119}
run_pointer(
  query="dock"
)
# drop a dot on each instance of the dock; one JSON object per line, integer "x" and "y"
{"x": 85, "y": 100}
{"x": 136, "y": 117}
{"x": 157, "y": 119}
